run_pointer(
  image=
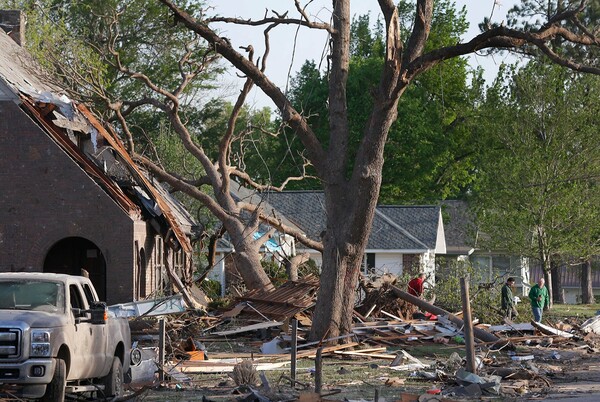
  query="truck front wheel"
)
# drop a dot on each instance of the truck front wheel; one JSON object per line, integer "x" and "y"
{"x": 113, "y": 382}
{"x": 55, "y": 391}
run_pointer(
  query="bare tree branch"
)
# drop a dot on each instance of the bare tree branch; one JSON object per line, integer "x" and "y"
{"x": 507, "y": 38}
{"x": 278, "y": 20}
{"x": 289, "y": 114}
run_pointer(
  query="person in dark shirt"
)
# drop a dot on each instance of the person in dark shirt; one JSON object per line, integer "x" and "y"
{"x": 508, "y": 305}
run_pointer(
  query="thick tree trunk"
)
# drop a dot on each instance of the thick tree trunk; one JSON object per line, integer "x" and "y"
{"x": 587, "y": 292}
{"x": 327, "y": 317}
{"x": 292, "y": 263}
{"x": 558, "y": 293}
{"x": 548, "y": 279}
{"x": 344, "y": 242}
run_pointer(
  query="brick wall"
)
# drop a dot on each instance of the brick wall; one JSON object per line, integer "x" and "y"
{"x": 46, "y": 197}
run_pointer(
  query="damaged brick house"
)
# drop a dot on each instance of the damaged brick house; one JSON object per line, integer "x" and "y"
{"x": 72, "y": 200}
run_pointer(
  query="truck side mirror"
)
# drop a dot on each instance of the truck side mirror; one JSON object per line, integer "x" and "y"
{"x": 99, "y": 313}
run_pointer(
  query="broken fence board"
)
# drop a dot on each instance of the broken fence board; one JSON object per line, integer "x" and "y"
{"x": 206, "y": 366}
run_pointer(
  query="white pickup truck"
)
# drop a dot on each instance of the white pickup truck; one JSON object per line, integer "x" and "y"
{"x": 57, "y": 338}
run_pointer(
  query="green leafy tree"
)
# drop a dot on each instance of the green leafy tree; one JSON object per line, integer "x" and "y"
{"x": 539, "y": 179}
{"x": 439, "y": 163}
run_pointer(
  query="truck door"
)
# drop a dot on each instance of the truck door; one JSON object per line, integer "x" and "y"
{"x": 100, "y": 337}
{"x": 88, "y": 343}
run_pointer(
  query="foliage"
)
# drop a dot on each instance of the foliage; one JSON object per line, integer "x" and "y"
{"x": 484, "y": 295}
{"x": 276, "y": 271}
{"x": 211, "y": 288}
{"x": 538, "y": 186}
{"x": 432, "y": 114}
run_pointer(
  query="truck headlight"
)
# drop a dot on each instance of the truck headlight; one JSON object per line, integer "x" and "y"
{"x": 40, "y": 343}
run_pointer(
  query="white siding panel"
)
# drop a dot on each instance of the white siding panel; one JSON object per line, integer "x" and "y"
{"x": 388, "y": 263}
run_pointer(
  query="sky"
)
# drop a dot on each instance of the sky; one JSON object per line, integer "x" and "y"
{"x": 290, "y": 47}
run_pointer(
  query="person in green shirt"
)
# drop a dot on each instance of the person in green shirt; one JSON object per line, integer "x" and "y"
{"x": 540, "y": 299}
{"x": 508, "y": 305}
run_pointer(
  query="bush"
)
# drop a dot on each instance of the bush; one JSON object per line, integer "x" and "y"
{"x": 484, "y": 295}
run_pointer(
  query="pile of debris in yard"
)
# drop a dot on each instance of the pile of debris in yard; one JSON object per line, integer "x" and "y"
{"x": 265, "y": 332}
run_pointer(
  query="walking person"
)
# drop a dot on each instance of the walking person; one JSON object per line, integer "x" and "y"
{"x": 540, "y": 299}
{"x": 509, "y": 310}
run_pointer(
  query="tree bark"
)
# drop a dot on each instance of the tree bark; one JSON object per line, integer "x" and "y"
{"x": 248, "y": 265}
{"x": 548, "y": 279}
{"x": 587, "y": 292}
{"x": 558, "y": 293}
{"x": 292, "y": 263}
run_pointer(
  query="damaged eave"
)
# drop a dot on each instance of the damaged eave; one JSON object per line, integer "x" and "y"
{"x": 120, "y": 149}
{"x": 39, "y": 113}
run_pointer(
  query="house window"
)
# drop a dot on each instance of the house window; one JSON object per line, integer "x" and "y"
{"x": 497, "y": 267}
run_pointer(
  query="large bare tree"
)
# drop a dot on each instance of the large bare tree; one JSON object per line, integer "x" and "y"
{"x": 350, "y": 199}
{"x": 351, "y": 186}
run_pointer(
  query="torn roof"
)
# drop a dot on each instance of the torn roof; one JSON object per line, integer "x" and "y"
{"x": 19, "y": 70}
{"x": 22, "y": 80}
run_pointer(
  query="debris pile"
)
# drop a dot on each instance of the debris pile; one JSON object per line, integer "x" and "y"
{"x": 265, "y": 332}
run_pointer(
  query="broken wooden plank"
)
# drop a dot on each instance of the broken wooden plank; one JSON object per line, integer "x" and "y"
{"x": 329, "y": 349}
{"x": 365, "y": 354}
{"x": 522, "y": 326}
{"x": 211, "y": 366}
{"x": 249, "y": 328}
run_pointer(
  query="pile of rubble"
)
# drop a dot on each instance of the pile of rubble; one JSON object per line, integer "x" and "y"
{"x": 511, "y": 359}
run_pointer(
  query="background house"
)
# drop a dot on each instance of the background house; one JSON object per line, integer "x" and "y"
{"x": 71, "y": 197}
{"x": 463, "y": 238}
{"x": 404, "y": 239}
{"x": 570, "y": 277}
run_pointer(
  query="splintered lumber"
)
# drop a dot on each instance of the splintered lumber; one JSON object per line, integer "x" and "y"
{"x": 478, "y": 332}
{"x": 212, "y": 366}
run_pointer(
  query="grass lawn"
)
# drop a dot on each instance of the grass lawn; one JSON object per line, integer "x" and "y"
{"x": 562, "y": 311}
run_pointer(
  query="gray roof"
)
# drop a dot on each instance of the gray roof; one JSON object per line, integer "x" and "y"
{"x": 459, "y": 227}
{"x": 394, "y": 227}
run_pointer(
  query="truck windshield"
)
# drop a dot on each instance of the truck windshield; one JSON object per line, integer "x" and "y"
{"x": 32, "y": 295}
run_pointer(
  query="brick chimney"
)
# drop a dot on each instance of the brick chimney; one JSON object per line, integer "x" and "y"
{"x": 13, "y": 23}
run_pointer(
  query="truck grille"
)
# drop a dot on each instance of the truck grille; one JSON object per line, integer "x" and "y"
{"x": 10, "y": 343}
